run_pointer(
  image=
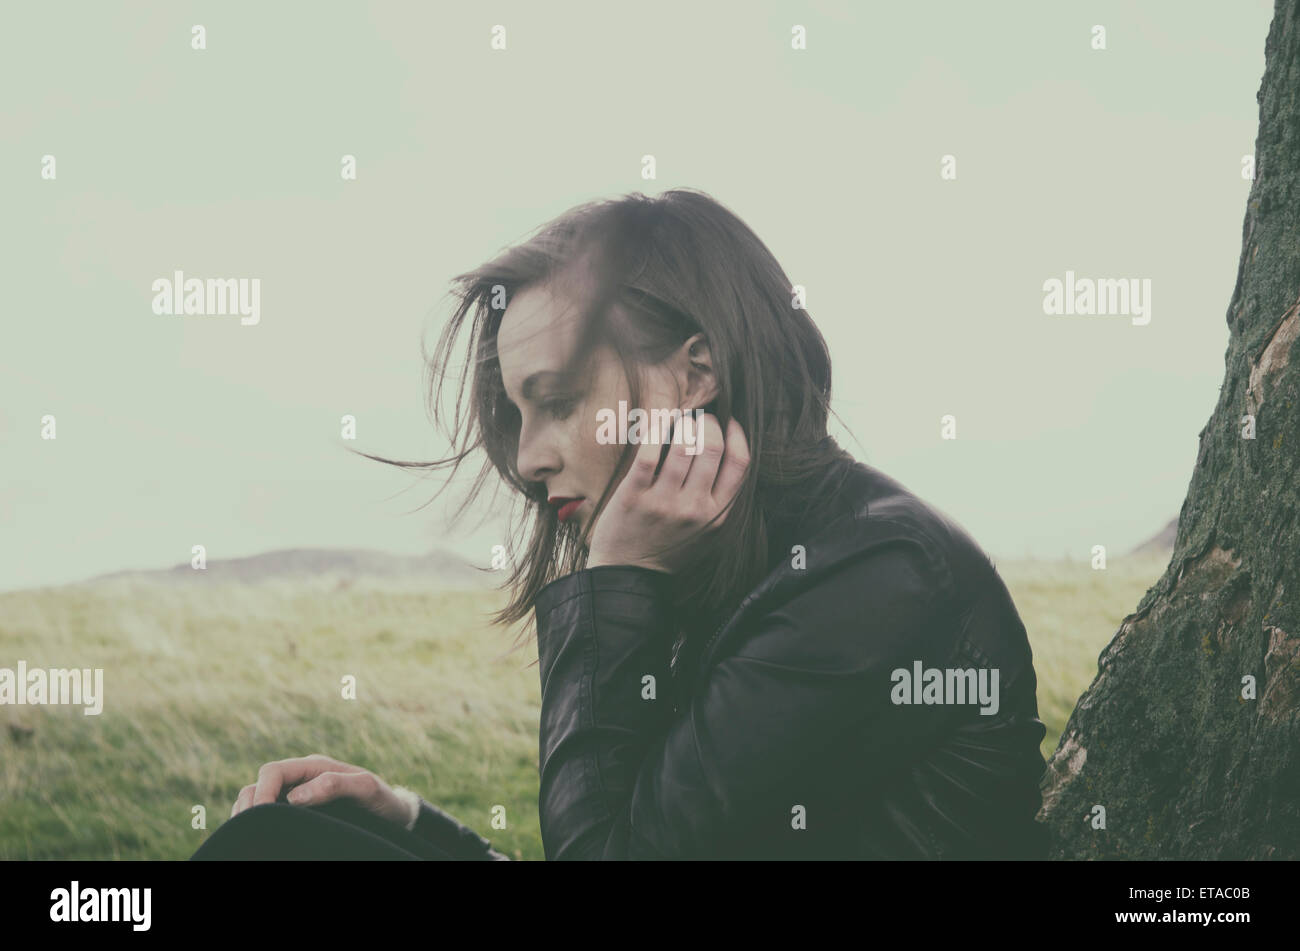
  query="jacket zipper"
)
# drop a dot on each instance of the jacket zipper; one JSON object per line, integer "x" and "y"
{"x": 702, "y": 658}
{"x": 697, "y": 667}
{"x": 713, "y": 637}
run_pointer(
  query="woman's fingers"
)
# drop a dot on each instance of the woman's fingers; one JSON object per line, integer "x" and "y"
{"x": 274, "y": 776}
{"x": 678, "y": 464}
{"x": 735, "y": 462}
{"x": 271, "y": 777}
{"x": 642, "y": 474}
{"x": 707, "y": 453}
{"x": 243, "y": 800}
{"x": 335, "y": 785}
{"x": 712, "y": 469}
{"x": 653, "y": 510}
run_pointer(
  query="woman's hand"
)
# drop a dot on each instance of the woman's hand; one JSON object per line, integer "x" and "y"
{"x": 646, "y": 513}
{"x": 318, "y": 779}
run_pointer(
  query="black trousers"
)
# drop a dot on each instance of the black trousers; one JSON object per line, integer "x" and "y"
{"x": 338, "y": 830}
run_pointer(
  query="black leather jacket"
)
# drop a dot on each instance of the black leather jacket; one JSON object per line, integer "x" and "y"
{"x": 788, "y": 737}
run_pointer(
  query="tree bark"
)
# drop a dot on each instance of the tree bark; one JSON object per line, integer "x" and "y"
{"x": 1168, "y": 739}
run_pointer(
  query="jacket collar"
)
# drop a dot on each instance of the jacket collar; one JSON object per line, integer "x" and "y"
{"x": 870, "y": 510}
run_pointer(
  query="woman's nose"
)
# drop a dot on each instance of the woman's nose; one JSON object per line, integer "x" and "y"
{"x": 535, "y": 461}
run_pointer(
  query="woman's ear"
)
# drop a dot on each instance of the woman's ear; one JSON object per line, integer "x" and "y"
{"x": 701, "y": 386}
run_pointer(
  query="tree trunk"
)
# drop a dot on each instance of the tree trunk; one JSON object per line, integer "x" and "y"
{"x": 1169, "y": 740}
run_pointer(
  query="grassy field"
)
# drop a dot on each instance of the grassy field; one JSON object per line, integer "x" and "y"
{"x": 204, "y": 683}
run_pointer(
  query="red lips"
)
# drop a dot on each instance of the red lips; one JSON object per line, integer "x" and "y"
{"x": 567, "y": 506}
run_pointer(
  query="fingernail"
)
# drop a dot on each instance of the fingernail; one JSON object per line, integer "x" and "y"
{"x": 297, "y": 797}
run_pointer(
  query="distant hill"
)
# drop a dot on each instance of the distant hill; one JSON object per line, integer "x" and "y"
{"x": 1161, "y": 542}
{"x": 439, "y": 568}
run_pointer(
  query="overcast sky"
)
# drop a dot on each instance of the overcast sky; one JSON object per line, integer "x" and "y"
{"x": 1123, "y": 162}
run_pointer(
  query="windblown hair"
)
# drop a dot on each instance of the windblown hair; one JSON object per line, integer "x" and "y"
{"x": 648, "y": 273}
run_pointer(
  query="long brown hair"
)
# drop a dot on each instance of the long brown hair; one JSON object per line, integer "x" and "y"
{"x": 649, "y": 273}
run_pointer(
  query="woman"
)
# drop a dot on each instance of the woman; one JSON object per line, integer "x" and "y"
{"x": 750, "y": 644}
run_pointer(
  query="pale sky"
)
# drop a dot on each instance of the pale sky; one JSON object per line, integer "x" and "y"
{"x": 225, "y": 162}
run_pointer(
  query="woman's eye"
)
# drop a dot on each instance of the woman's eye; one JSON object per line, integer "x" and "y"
{"x": 561, "y": 408}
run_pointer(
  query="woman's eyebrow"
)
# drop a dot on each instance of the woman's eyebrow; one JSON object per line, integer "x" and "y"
{"x": 530, "y": 383}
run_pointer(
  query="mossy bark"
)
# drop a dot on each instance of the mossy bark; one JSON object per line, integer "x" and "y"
{"x": 1167, "y": 739}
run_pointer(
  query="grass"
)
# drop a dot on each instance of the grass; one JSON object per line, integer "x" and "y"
{"x": 1071, "y": 612}
{"x": 204, "y": 683}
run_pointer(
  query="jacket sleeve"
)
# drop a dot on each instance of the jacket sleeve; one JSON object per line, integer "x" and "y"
{"x": 452, "y": 836}
{"x": 624, "y": 777}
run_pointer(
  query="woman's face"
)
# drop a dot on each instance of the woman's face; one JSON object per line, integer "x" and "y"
{"x": 558, "y": 421}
